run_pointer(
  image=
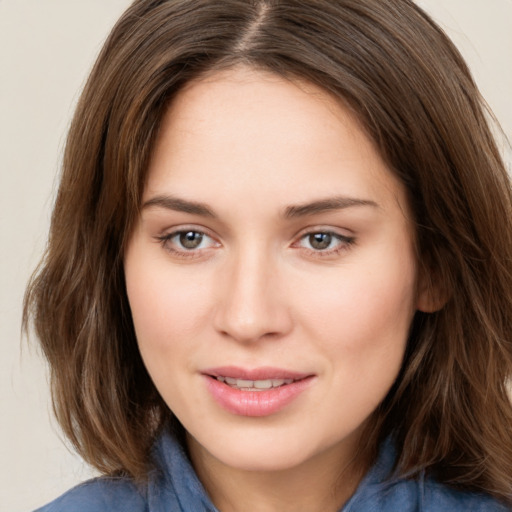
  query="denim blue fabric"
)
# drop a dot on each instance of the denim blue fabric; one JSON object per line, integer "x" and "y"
{"x": 176, "y": 488}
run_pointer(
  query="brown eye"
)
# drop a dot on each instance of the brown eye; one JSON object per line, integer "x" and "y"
{"x": 320, "y": 241}
{"x": 188, "y": 243}
{"x": 325, "y": 243}
{"x": 190, "y": 239}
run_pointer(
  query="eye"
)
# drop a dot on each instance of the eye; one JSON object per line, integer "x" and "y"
{"x": 189, "y": 239}
{"x": 186, "y": 242}
{"x": 325, "y": 242}
{"x": 320, "y": 241}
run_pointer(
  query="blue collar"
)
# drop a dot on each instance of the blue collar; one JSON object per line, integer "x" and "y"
{"x": 179, "y": 482}
{"x": 176, "y": 487}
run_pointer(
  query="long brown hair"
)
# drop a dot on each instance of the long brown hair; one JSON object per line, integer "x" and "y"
{"x": 449, "y": 411}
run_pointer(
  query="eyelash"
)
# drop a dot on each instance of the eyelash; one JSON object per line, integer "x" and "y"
{"x": 344, "y": 243}
{"x": 184, "y": 253}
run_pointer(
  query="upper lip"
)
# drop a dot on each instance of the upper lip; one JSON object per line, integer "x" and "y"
{"x": 261, "y": 373}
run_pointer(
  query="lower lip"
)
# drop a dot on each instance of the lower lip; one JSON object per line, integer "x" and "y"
{"x": 255, "y": 403}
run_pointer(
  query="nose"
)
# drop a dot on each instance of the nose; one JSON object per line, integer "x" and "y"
{"x": 252, "y": 304}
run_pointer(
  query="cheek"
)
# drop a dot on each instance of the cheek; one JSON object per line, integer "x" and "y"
{"x": 166, "y": 306}
{"x": 362, "y": 312}
{"x": 362, "y": 327}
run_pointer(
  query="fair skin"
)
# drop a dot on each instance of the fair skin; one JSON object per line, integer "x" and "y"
{"x": 274, "y": 247}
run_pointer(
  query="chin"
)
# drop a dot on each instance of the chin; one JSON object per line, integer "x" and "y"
{"x": 257, "y": 461}
{"x": 259, "y": 451}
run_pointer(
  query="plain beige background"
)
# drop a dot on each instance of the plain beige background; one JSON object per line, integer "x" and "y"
{"x": 46, "y": 50}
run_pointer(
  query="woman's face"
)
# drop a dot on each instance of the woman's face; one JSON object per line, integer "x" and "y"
{"x": 271, "y": 275}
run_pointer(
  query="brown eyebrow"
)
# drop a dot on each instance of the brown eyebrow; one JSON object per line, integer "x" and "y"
{"x": 179, "y": 205}
{"x": 294, "y": 211}
{"x": 323, "y": 205}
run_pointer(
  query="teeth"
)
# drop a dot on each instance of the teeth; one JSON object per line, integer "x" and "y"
{"x": 265, "y": 384}
{"x": 240, "y": 383}
{"x": 254, "y": 385}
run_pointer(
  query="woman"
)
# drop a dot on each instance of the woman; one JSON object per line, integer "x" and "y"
{"x": 278, "y": 274}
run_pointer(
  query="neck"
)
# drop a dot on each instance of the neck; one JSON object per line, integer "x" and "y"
{"x": 323, "y": 483}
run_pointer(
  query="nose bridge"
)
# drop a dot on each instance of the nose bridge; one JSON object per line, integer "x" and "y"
{"x": 251, "y": 305}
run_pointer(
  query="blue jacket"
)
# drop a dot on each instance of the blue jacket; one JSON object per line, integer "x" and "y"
{"x": 177, "y": 489}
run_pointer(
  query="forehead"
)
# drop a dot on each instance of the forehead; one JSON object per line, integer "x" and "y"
{"x": 248, "y": 128}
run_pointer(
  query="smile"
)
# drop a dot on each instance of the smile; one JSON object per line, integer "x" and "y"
{"x": 254, "y": 385}
{"x": 255, "y": 393}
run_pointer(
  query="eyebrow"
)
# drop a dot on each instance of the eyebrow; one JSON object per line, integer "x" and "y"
{"x": 324, "y": 205}
{"x": 179, "y": 205}
{"x": 290, "y": 212}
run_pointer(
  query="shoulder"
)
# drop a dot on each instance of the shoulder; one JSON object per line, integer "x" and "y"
{"x": 172, "y": 485}
{"x": 383, "y": 491}
{"x": 438, "y": 496}
{"x": 100, "y": 495}
{"x": 420, "y": 496}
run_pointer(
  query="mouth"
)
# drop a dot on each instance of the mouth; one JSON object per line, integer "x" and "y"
{"x": 258, "y": 379}
{"x": 259, "y": 392}
{"x": 254, "y": 385}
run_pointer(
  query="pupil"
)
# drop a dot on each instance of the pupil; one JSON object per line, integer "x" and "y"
{"x": 191, "y": 239}
{"x": 320, "y": 240}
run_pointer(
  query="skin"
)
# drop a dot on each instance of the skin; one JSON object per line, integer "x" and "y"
{"x": 251, "y": 146}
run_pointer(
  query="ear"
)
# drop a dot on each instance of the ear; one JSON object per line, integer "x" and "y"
{"x": 432, "y": 295}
